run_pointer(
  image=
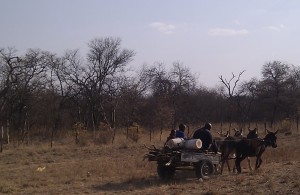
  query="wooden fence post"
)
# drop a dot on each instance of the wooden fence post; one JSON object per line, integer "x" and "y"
{"x": 76, "y": 136}
{"x": 297, "y": 122}
{"x": 127, "y": 129}
{"x": 221, "y": 126}
{"x": 114, "y": 135}
{"x": 7, "y": 131}
{"x": 1, "y": 139}
{"x": 160, "y": 133}
{"x": 52, "y": 137}
{"x": 137, "y": 133}
{"x": 265, "y": 128}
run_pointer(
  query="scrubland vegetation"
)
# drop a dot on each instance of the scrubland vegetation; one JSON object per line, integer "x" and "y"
{"x": 118, "y": 168}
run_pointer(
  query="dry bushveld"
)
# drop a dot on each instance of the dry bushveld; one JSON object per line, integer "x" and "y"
{"x": 105, "y": 168}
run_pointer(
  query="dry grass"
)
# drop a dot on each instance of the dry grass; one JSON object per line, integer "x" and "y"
{"x": 119, "y": 168}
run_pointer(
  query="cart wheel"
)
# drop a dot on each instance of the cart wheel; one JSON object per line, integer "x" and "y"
{"x": 204, "y": 169}
{"x": 165, "y": 172}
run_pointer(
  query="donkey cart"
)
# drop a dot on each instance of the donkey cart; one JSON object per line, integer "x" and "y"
{"x": 169, "y": 160}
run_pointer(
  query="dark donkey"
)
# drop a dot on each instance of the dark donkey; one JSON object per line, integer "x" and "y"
{"x": 254, "y": 148}
{"x": 229, "y": 146}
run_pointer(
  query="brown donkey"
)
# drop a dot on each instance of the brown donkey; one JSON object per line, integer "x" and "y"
{"x": 229, "y": 146}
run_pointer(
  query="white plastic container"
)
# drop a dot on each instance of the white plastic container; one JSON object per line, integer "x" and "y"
{"x": 193, "y": 144}
{"x": 176, "y": 143}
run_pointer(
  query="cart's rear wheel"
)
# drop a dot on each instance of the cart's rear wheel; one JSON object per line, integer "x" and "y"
{"x": 165, "y": 172}
{"x": 204, "y": 169}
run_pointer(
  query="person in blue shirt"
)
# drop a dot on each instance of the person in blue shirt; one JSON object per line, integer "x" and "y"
{"x": 180, "y": 132}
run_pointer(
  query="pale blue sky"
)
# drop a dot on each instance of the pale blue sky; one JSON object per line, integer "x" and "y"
{"x": 211, "y": 37}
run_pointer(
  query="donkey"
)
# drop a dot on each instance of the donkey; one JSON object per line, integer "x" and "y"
{"x": 254, "y": 148}
{"x": 228, "y": 147}
{"x": 252, "y": 134}
{"x": 219, "y": 140}
{"x": 230, "y": 143}
{"x": 223, "y": 134}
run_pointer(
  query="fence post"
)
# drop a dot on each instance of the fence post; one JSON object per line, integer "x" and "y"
{"x": 221, "y": 126}
{"x": 160, "y": 133}
{"x": 137, "y": 133}
{"x": 127, "y": 131}
{"x": 297, "y": 122}
{"x": 52, "y": 137}
{"x": 7, "y": 131}
{"x": 76, "y": 136}
{"x": 1, "y": 139}
{"x": 114, "y": 135}
{"x": 265, "y": 128}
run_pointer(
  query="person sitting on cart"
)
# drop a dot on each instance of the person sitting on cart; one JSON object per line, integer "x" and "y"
{"x": 172, "y": 135}
{"x": 180, "y": 132}
{"x": 205, "y": 136}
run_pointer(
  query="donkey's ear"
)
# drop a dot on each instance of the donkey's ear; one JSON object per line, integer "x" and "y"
{"x": 268, "y": 131}
{"x": 234, "y": 129}
{"x": 276, "y": 132}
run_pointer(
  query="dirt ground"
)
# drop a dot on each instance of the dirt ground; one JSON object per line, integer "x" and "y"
{"x": 119, "y": 169}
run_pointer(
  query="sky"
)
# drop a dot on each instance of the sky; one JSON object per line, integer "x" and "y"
{"x": 210, "y": 37}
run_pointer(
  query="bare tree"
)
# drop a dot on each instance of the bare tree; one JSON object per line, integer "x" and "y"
{"x": 183, "y": 80}
{"x": 170, "y": 90}
{"x": 59, "y": 90}
{"x": 161, "y": 89}
{"x": 231, "y": 86}
{"x": 9, "y": 67}
{"x": 23, "y": 80}
{"x": 247, "y": 93}
{"x": 184, "y": 84}
{"x": 294, "y": 90}
{"x": 161, "y": 84}
{"x": 273, "y": 85}
{"x": 105, "y": 61}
